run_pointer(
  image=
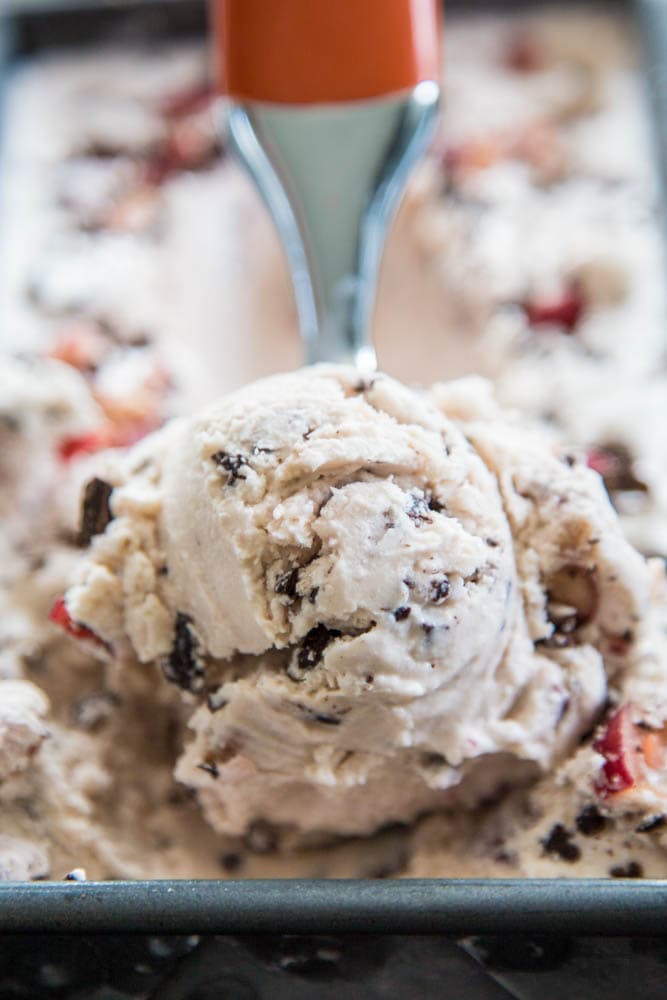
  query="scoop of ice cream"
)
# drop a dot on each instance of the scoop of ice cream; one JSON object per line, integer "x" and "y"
{"x": 370, "y": 609}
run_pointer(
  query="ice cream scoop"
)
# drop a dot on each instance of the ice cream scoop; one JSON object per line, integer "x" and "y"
{"x": 381, "y": 601}
{"x": 329, "y": 107}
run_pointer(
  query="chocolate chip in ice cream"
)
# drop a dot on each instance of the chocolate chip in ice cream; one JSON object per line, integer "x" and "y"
{"x": 182, "y": 666}
{"x": 559, "y": 841}
{"x": 652, "y": 823}
{"x": 590, "y": 821}
{"x": 233, "y": 465}
{"x": 439, "y": 590}
{"x": 632, "y": 870}
{"x": 400, "y": 614}
{"x": 95, "y": 509}
{"x": 286, "y": 583}
{"x": 210, "y": 767}
{"x": 314, "y": 644}
{"x": 434, "y": 504}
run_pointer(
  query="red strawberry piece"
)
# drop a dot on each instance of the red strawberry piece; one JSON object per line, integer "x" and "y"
{"x": 61, "y": 616}
{"x": 631, "y": 752}
{"x": 110, "y": 436}
{"x": 601, "y": 461}
{"x": 564, "y": 311}
{"x": 85, "y": 444}
{"x": 620, "y": 743}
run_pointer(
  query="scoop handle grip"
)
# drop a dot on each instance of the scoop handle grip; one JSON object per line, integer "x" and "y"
{"x": 324, "y": 51}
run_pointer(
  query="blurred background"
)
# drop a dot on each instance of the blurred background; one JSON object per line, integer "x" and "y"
{"x": 527, "y": 250}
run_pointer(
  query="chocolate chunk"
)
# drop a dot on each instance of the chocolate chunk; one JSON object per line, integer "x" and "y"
{"x": 210, "y": 767}
{"x": 590, "y": 821}
{"x": 364, "y": 385}
{"x": 616, "y": 467}
{"x": 95, "y": 509}
{"x": 286, "y": 583}
{"x": 233, "y": 465}
{"x": 400, "y": 614}
{"x": 418, "y": 510}
{"x": 439, "y": 590}
{"x": 433, "y": 504}
{"x": 308, "y": 715}
{"x": 492, "y": 543}
{"x": 313, "y": 594}
{"x": 652, "y": 823}
{"x": 632, "y": 870}
{"x": 559, "y": 842}
{"x": 314, "y": 644}
{"x": 231, "y": 862}
{"x": 183, "y": 666}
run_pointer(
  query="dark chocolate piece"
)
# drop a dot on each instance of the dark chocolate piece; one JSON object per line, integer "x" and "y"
{"x": 95, "y": 509}
{"x": 286, "y": 583}
{"x": 652, "y": 823}
{"x": 210, "y": 767}
{"x": 439, "y": 590}
{"x": 231, "y": 862}
{"x": 233, "y": 465}
{"x": 400, "y": 614}
{"x": 590, "y": 821}
{"x": 433, "y": 504}
{"x": 183, "y": 666}
{"x": 632, "y": 870}
{"x": 314, "y": 644}
{"x": 558, "y": 841}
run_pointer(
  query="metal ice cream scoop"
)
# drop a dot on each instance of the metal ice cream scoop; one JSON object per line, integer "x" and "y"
{"x": 329, "y": 105}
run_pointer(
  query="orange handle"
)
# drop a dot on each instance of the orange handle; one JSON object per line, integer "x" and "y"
{"x": 322, "y": 51}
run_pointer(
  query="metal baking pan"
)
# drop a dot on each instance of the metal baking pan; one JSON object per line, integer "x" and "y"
{"x": 200, "y": 940}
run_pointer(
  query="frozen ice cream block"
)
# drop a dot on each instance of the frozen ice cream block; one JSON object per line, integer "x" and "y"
{"x": 377, "y": 601}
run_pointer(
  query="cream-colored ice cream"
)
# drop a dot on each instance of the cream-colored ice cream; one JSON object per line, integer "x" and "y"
{"x": 381, "y": 601}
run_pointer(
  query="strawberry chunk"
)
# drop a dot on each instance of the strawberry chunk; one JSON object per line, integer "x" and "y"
{"x": 85, "y": 444}
{"x": 631, "y": 753}
{"x": 620, "y": 745}
{"x": 121, "y": 435}
{"x": 564, "y": 311}
{"x": 61, "y": 616}
{"x": 602, "y": 462}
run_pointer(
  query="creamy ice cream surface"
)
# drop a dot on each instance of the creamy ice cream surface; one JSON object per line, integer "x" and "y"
{"x": 378, "y": 601}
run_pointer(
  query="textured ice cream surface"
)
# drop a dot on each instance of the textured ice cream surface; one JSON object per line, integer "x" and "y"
{"x": 382, "y": 601}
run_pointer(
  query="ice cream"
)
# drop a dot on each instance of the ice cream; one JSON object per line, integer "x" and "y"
{"x": 528, "y": 250}
{"x": 379, "y": 608}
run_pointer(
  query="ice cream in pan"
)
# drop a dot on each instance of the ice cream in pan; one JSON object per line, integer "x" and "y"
{"x": 377, "y": 604}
